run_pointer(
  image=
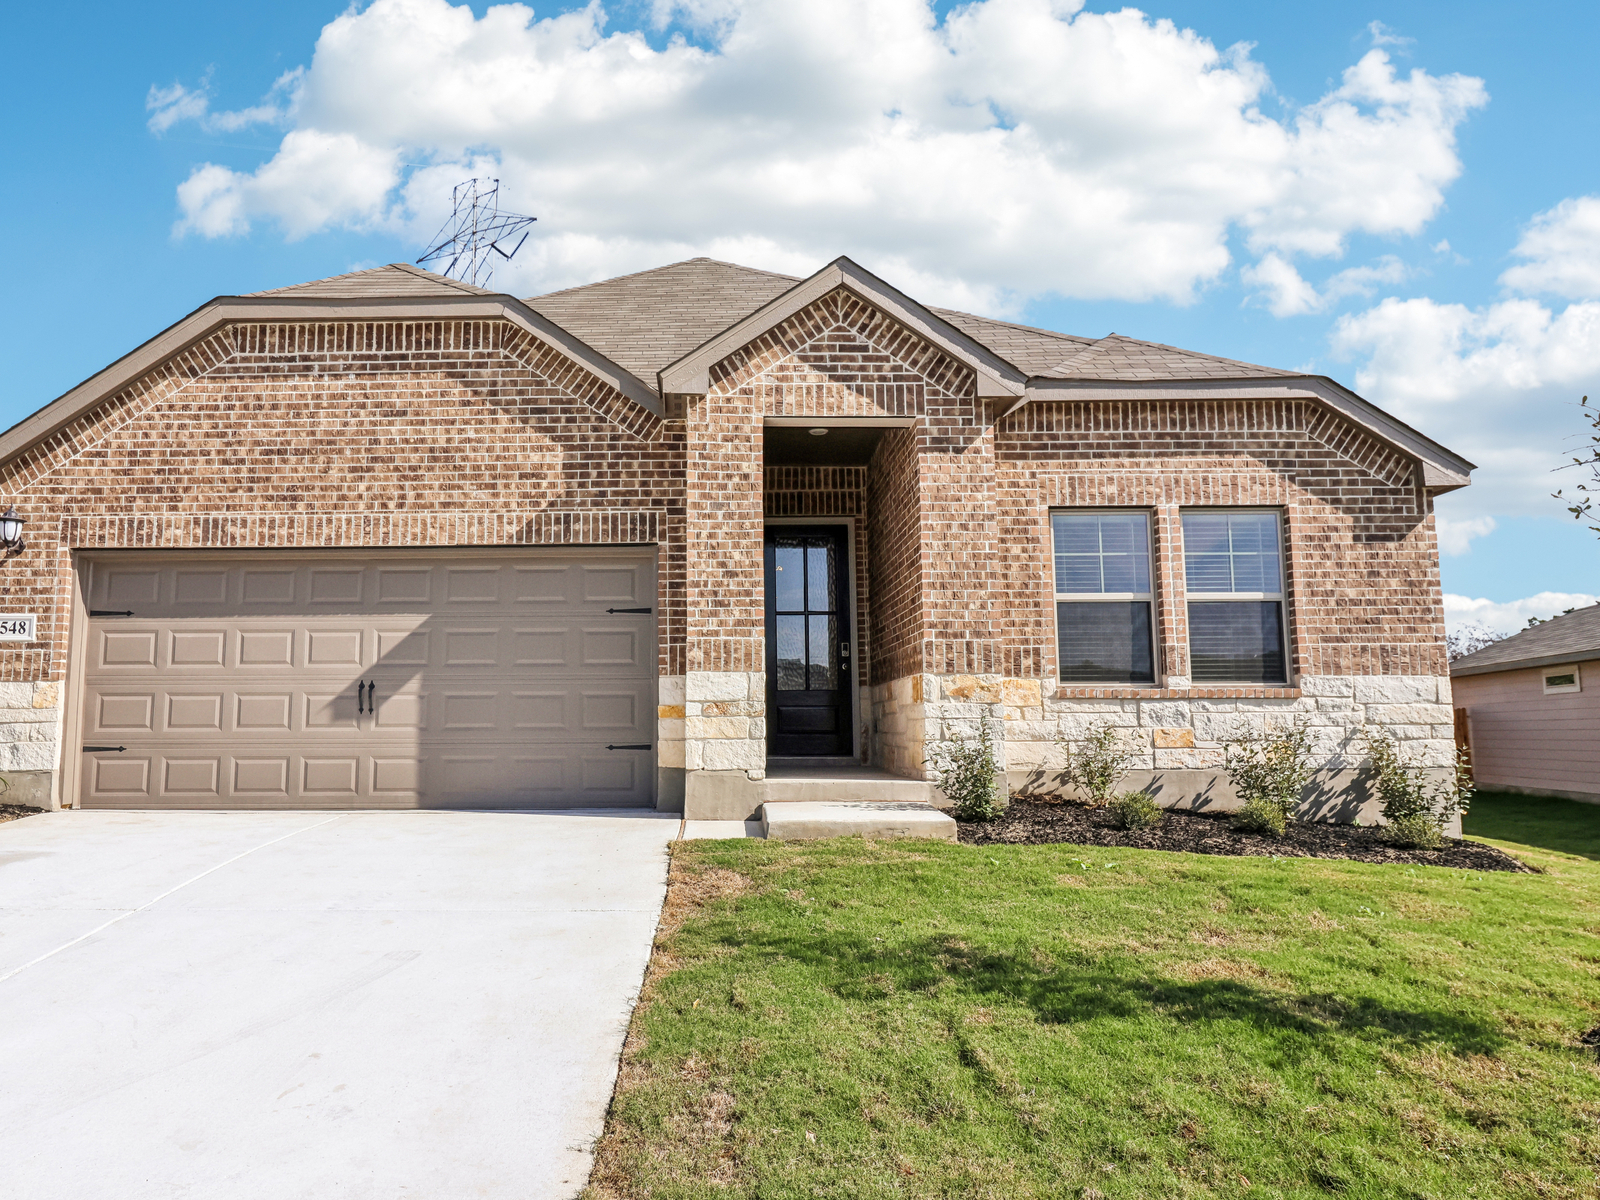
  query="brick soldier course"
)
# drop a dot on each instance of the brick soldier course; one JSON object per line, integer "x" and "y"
{"x": 396, "y": 409}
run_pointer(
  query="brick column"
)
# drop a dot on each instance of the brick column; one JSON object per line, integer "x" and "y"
{"x": 1172, "y": 601}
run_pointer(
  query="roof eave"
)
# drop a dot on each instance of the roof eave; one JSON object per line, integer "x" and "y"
{"x": 1443, "y": 469}
{"x": 225, "y": 310}
{"x": 1522, "y": 664}
{"x": 996, "y": 378}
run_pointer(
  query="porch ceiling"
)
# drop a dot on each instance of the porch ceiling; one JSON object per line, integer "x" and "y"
{"x": 792, "y": 446}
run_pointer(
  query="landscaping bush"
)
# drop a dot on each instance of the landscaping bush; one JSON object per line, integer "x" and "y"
{"x": 1268, "y": 774}
{"x": 1096, "y": 762}
{"x": 1135, "y": 810}
{"x": 1415, "y": 811}
{"x": 969, "y": 776}
{"x": 1261, "y": 816}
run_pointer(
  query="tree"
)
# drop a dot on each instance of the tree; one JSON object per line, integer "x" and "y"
{"x": 1469, "y": 639}
{"x": 1582, "y": 502}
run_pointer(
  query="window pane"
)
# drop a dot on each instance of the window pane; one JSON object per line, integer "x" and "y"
{"x": 1097, "y": 552}
{"x": 791, "y": 654}
{"x": 824, "y": 657}
{"x": 1236, "y": 641}
{"x": 1231, "y": 552}
{"x": 789, "y": 577}
{"x": 819, "y": 577}
{"x": 1105, "y": 641}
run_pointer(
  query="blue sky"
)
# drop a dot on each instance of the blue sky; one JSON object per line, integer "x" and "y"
{"x": 1422, "y": 238}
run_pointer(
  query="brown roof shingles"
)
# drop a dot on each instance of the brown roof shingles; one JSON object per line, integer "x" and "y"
{"x": 1567, "y": 638}
{"x": 396, "y": 279}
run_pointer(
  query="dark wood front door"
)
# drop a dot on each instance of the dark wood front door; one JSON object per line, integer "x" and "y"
{"x": 808, "y": 641}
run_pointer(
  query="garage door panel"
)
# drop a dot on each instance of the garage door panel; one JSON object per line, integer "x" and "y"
{"x": 497, "y": 681}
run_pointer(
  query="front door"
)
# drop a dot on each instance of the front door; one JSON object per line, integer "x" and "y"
{"x": 808, "y": 642}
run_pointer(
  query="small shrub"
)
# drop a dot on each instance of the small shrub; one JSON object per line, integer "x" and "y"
{"x": 1135, "y": 810}
{"x": 1418, "y": 831}
{"x": 969, "y": 777}
{"x": 1096, "y": 763}
{"x": 1261, "y": 816}
{"x": 1268, "y": 774}
{"x": 1415, "y": 811}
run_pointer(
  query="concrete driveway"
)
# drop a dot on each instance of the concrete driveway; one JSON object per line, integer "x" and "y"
{"x": 295, "y": 1004}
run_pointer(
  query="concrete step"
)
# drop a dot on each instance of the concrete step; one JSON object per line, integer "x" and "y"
{"x": 804, "y": 820}
{"x": 847, "y": 785}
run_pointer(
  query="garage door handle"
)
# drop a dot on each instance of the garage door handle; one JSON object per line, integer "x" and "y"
{"x": 609, "y": 610}
{"x": 111, "y": 612}
{"x": 103, "y": 749}
{"x": 360, "y": 690}
{"x": 643, "y": 746}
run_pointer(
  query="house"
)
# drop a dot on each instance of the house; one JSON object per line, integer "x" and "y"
{"x": 1528, "y": 709}
{"x": 698, "y": 537}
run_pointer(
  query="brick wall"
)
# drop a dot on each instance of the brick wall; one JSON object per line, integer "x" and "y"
{"x": 448, "y": 433}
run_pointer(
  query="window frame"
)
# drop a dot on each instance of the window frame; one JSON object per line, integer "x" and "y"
{"x": 1561, "y": 689}
{"x": 1058, "y": 598}
{"x": 1281, "y": 597}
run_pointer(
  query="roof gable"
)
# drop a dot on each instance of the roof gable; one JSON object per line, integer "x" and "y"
{"x": 995, "y": 376}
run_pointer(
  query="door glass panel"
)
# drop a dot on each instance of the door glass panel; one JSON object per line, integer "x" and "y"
{"x": 819, "y": 578}
{"x": 789, "y": 578}
{"x": 791, "y": 653}
{"x": 824, "y": 654}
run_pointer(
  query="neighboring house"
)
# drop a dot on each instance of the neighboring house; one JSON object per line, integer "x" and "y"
{"x": 389, "y": 539}
{"x": 1530, "y": 707}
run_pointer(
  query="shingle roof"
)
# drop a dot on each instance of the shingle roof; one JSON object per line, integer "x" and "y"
{"x": 650, "y": 319}
{"x": 1030, "y": 350}
{"x": 396, "y": 279}
{"x": 1115, "y": 357}
{"x": 1570, "y": 638}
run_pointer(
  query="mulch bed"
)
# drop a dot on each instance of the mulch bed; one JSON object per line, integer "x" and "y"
{"x": 1045, "y": 822}
{"x": 10, "y": 812}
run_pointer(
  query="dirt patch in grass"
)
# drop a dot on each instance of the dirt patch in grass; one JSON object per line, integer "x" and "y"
{"x": 1045, "y": 822}
{"x": 11, "y": 812}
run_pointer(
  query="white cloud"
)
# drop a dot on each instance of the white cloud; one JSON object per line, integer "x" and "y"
{"x": 1382, "y": 35}
{"x": 1287, "y": 294}
{"x": 1499, "y": 384}
{"x": 1456, "y": 536}
{"x": 170, "y": 105}
{"x": 1562, "y": 247}
{"x": 1020, "y": 148}
{"x": 1512, "y": 615}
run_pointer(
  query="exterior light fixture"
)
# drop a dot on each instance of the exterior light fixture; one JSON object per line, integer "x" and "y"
{"x": 818, "y": 432}
{"x": 11, "y": 523}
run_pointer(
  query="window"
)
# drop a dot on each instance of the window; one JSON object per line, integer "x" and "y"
{"x": 1566, "y": 679}
{"x": 1233, "y": 562}
{"x": 1103, "y": 617}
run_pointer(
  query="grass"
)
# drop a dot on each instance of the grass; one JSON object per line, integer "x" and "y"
{"x": 856, "y": 1019}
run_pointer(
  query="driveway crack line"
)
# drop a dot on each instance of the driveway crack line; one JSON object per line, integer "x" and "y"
{"x": 157, "y": 900}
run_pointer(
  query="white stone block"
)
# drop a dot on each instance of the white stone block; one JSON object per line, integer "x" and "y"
{"x": 1167, "y": 714}
{"x": 16, "y": 695}
{"x": 1445, "y": 695}
{"x": 733, "y": 755}
{"x": 670, "y": 729}
{"x": 1187, "y": 760}
{"x": 701, "y": 686}
{"x": 716, "y": 727}
{"x": 670, "y": 690}
{"x": 1396, "y": 689}
{"x": 31, "y": 756}
{"x": 670, "y": 754}
{"x": 1079, "y": 725}
{"x": 1327, "y": 685}
{"x": 758, "y": 728}
{"x": 693, "y": 756}
{"x": 1214, "y": 706}
{"x": 1408, "y": 714}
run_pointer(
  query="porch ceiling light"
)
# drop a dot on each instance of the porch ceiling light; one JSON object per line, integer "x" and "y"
{"x": 818, "y": 432}
{"x": 11, "y": 523}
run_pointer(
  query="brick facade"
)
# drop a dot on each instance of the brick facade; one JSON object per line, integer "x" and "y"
{"x": 472, "y": 433}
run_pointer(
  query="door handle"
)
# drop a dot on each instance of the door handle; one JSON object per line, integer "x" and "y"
{"x": 104, "y": 749}
{"x": 362, "y": 690}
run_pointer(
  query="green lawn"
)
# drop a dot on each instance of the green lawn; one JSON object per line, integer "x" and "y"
{"x": 853, "y": 1019}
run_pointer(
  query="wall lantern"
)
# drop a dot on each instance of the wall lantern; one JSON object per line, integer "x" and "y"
{"x": 11, "y": 523}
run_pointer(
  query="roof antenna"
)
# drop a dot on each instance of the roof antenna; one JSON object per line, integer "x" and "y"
{"x": 476, "y": 228}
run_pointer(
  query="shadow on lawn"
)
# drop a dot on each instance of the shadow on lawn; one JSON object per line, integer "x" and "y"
{"x": 1068, "y": 993}
{"x": 1565, "y": 826}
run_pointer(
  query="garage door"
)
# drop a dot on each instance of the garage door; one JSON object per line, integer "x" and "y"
{"x": 488, "y": 680}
